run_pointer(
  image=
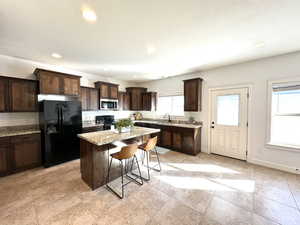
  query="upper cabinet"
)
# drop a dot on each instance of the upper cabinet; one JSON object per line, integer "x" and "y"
{"x": 18, "y": 95}
{"x": 89, "y": 99}
{"x": 4, "y": 107}
{"x": 107, "y": 90}
{"x": 136, "y": 99}
{"x": 192, "y": 94}
{"x": 51, "y": 82}
{"x": 124, "y": 101}
{"x": 23, "y": 95}
{"x": 149, "y": 100}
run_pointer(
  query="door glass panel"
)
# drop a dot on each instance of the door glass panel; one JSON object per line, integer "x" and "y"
{"x": 228, "y": 110}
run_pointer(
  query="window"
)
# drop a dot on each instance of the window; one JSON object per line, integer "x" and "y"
{"x": 173, "y": 105}
{"x": 228, "y": 107}
{"x": 285, "y": 116}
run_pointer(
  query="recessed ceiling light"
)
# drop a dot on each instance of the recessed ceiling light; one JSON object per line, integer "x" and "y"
{"x": 56, "y": 55}
{"x": 89, "y": 14}
{"x": 151, "y": 50}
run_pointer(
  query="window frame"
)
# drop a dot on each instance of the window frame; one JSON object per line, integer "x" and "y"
{"x": 268, "y": 143}
{"x": 174, "y": 95}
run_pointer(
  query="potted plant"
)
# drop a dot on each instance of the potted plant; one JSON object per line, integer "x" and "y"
{"x": 124, "y": 125}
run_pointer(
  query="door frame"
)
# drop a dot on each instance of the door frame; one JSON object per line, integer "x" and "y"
{"x": 250, "y": 106}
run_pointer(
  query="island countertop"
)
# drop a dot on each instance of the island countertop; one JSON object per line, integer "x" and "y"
{"x": 108, "y": 136}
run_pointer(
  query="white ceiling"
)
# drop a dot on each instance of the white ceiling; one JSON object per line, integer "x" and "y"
{"x": 187, "y": 36}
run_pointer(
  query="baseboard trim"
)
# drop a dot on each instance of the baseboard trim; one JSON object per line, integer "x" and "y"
{"x": 274, "y": 166}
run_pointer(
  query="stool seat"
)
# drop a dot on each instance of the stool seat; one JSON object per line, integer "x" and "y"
{"x": 143, "y": 147}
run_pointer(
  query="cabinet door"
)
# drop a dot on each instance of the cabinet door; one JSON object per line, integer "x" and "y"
{"x": 26, "y": 151}
{"x": 136, "y": 100}
{"x": 23, "y": 96}
{"x": 113, "y": 92}
{"x": 94, "y": 99}
{"x": 177, "y": 140}
{"x": 4, "y": 95}
{"x": 166, "y": 138}
{"x": 49, "y": 83}
{"x": 121, "y": 101}
{"x": 126, "y": 101}
{"x": 84, "y": 98}
{"x": 5, "y": 162}
{"x": 146, "y": 99}
{"x": 188, "y": 143}
{"x": 71, "y": 86}
{"x": 192, "y": 95}
{"x": 104, "y": 91}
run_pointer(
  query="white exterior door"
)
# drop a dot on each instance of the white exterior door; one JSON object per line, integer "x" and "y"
{"x": 229, "y": 116}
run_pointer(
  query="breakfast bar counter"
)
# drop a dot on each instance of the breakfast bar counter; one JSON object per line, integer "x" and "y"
{"x": 95, "y": 150}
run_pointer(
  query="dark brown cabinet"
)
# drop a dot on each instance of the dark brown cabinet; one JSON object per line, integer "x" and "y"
{"x": 89, "y": 99}
{"x": 4, "y": 107}
{"x": 18, "y": 153}
{"x": 136, "y": 99}
{"x": 192, "y": 94}
{"x": 51, "y": 82}
{"x": 5, "y": 161}
{"x": 18, "y": 95}
{"x": 149, "y": 100}
{"x": 23, "y": 95}
{"x": 181, "y": 139}
{"x": 107, "y": 90}
{"x": 124, "y": 101}
{"x": 26, "y": 151}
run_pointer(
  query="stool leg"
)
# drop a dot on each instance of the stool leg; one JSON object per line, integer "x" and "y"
{"x": 157, "y": 159}
{"x": 148, "y": 167}
{"x": 138, "y": 166}
{"x": 121, "y": 162}
{"x": 111, "y": 189}
{"x": 107, "y": 178}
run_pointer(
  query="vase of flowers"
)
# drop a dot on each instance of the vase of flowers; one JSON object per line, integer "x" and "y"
{"x": 124, "y": 125}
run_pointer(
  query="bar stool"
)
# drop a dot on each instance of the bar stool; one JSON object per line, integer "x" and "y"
{"x": 147, "y": 148}
{"x": 126, "y": 154}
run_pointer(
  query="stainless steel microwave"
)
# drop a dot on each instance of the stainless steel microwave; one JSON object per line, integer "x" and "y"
{"x": 108, "y": 104}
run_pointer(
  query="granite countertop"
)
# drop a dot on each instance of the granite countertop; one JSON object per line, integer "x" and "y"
{"x": 109, "y": 136}
{"x": 19, "y": 130}
{"x": 173, "y": 124}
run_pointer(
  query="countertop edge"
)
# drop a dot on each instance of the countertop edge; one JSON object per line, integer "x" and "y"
{"x": 106, "y": 143}
{"x": 191, "y": 126}
{"x": 19, "y": 133}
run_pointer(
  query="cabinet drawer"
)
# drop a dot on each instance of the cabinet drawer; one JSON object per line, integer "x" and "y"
{"x": 25, "y": 138}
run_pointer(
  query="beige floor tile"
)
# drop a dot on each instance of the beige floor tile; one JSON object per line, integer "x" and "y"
{"x": 275, "y": 211}
{"x": 176, "y": 213}
{"x": 226, "y": 213}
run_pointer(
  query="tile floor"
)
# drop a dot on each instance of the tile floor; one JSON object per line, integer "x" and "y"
{"x": 201, "y": 190}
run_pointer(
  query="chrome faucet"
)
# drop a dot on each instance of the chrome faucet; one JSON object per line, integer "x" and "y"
{"x": 169, "y": 117}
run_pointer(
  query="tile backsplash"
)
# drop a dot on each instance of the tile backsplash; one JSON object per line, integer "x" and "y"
{"x": 16, "y": 119}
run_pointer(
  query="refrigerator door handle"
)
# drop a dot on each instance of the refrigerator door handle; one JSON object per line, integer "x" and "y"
{"x": 61, "y": 119}
{"x": 58, "y": 119}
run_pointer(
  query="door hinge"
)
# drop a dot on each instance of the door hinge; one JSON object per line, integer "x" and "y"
{"x": 246, "y": 153}
{"x": 248, "y": 96}
{"x": 247, "y": 124}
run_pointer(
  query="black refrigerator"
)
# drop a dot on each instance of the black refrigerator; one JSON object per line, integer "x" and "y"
{"x": 60, "y": 122}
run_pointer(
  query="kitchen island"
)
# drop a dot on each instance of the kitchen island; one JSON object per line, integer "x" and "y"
{"x": 95, "y": 150}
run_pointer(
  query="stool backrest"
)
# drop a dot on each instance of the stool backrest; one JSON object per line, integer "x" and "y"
{"x": 128, "y": 151}
{"x": 151, "y": 143}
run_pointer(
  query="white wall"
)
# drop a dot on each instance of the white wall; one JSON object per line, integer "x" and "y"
{"x": 256, "y": 73}
{"x": 15, "y": 67}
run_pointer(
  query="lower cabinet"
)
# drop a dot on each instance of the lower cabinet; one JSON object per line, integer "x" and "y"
{"x": 5, "y": 161}
{"x": 181, "y": 139}
{"x": 18, "y": 153}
